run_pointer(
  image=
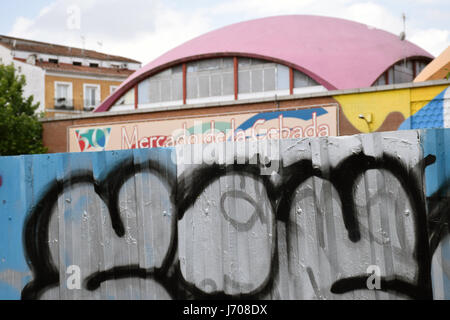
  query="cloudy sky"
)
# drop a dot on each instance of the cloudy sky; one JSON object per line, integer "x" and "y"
{"x": 145, "y": 29}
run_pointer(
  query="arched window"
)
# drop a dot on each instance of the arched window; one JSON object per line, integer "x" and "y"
{"x": 125, "y": 102}
{"x": 161, "y": 88}
{"x": 401, "y": 72}
{"x": 214, "y": 80}
{"x": 210, "y": 78}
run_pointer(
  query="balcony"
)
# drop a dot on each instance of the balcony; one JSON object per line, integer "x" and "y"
{"x": 90, "y": 105}
{"x": 63, "y": 104}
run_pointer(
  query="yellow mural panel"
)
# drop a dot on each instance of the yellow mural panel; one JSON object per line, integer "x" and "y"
{"x": 375, "y": 106}
{"x": 421, "y": 96}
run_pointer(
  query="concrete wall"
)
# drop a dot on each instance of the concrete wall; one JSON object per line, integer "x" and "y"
{"x": 55, "y": 132}
{"x": 291, "y": 219}
{"x": 5, "y": 55}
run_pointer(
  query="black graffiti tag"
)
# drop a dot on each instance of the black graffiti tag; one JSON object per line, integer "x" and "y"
{"x": 184, "y": 194}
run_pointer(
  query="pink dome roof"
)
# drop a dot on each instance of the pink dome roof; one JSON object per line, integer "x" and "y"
{"x": 337, "y": 53}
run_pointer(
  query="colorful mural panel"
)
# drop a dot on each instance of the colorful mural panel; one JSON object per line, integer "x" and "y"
{"x": 285, "y": 124}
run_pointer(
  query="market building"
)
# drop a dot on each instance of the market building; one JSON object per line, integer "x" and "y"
{"x": 284, "y": 76}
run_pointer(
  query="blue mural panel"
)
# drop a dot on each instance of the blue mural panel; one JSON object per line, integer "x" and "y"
{"x": 432, "y": 115}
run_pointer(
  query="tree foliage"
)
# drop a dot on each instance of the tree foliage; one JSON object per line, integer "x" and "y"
{"x": 20, "y": 129}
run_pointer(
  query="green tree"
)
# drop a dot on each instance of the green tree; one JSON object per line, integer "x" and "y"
{"x": 20, "y": 129}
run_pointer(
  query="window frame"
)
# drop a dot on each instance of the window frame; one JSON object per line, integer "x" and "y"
{"x": 111, "y": 87}
{"x": 97, "y": 95}
{"x": 69, "y": 91}
{"x": 69, "y": 97}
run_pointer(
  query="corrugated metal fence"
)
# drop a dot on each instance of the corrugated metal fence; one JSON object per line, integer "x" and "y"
{"x": 316, "y": 218}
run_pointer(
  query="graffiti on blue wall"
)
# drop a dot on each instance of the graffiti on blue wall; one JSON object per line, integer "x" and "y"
{"x": 149, "y": 224}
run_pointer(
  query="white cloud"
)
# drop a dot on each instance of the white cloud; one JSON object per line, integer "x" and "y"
{"x": 373, "y": 15}
{"x": 142, "y": 31}
{"x": 261, "y": 7}
{"x": 434, "y": 40}
{"x": 147, "y": 29}
{"x": 21, "y": 26}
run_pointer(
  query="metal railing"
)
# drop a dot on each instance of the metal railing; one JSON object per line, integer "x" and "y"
{"x": 90, "y": 105}
{"x": 63, "y": 104}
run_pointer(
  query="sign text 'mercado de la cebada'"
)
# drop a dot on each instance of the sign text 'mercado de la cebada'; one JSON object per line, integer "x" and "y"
{"x": 311, "y": 122}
